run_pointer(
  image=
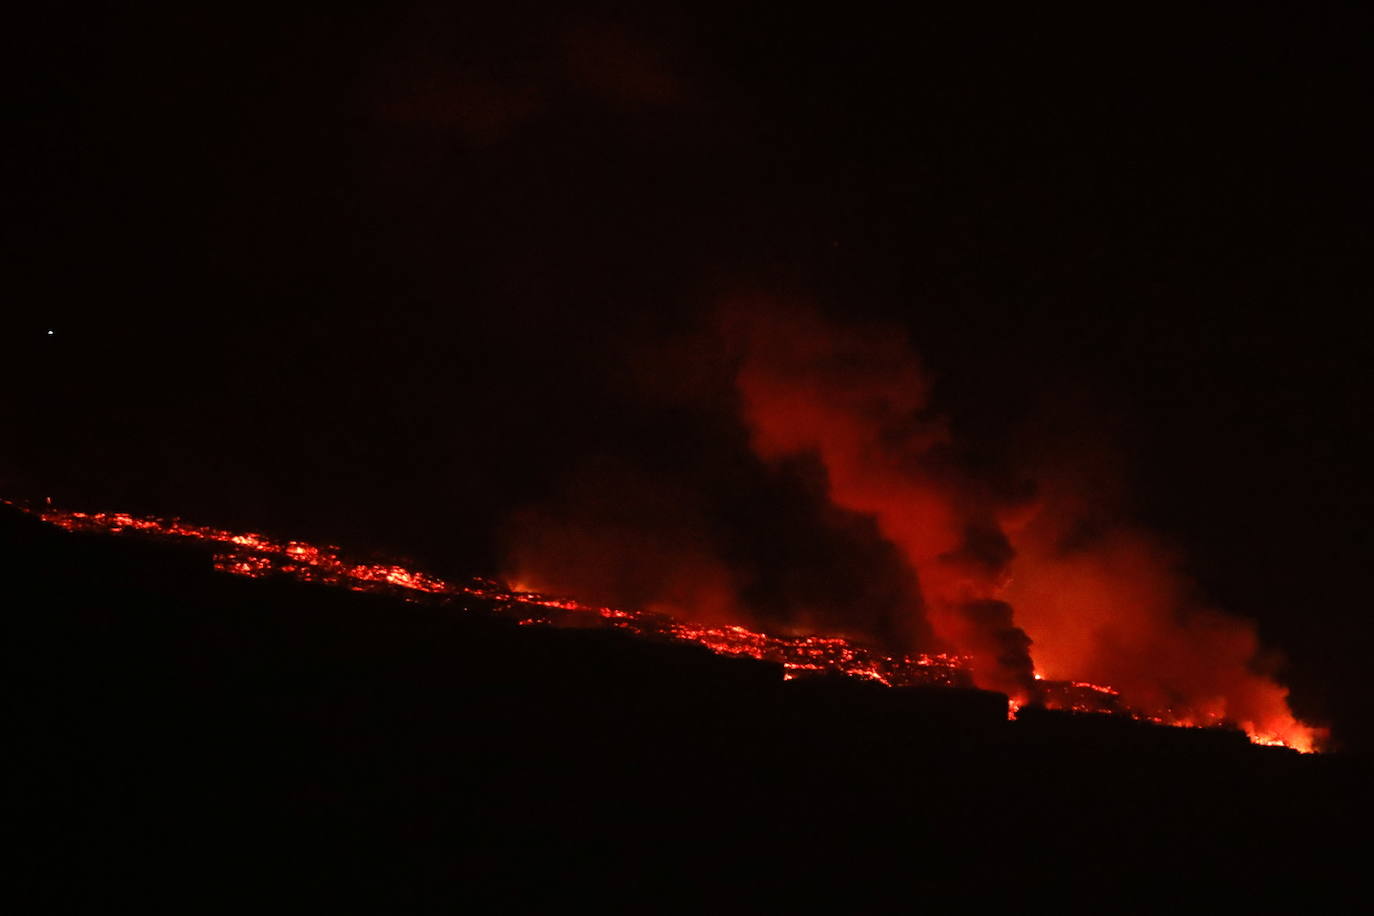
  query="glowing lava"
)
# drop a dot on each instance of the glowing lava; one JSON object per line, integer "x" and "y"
{"x": 257, "y": 556}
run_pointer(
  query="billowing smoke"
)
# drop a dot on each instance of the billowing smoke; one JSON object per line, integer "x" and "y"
{"x": 1109, "y": 603}
{"x": 857, "y": 398}
{"x": 911, "y": 545}
{"x": 1095, "y": 599}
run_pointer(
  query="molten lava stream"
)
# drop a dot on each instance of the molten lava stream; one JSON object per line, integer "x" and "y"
{"x": 256, "y": 555}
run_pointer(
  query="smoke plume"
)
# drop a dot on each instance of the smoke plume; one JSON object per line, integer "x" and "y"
{"x": 1096, "y": 599}
{"x": 858, "y": 399}
{"x": 1026, "y": 581}
{"x": 1109, "y": 603}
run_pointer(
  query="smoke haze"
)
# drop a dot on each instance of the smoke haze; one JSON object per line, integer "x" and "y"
{"x": 1041, "y": 576}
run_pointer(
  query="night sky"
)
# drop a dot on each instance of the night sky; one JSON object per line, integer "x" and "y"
{"x": 388, "y": 278}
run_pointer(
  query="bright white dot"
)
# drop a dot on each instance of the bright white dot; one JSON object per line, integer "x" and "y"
{"x": 50, "y": 333}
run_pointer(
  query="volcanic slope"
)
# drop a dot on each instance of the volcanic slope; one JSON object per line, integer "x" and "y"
{"x": 185, "y": 735}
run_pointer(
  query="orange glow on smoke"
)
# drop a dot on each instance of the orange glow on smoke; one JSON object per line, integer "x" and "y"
{"x": 1121, "y": 613}
{"x": 1011, "y": 584}
{"x": 258, "y": 556}
{"x": 856, "y": 399}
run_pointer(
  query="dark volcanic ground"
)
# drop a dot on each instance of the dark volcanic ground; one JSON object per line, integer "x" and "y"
{"x": 206, "y": 741}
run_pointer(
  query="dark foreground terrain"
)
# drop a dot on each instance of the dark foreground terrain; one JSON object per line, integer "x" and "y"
{"x": 183, "y": 737}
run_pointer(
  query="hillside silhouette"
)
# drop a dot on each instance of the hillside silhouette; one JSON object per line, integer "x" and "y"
{"x": 185, "y": 736}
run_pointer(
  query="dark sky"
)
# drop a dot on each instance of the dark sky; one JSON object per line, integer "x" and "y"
{"x": 382, "y": 277}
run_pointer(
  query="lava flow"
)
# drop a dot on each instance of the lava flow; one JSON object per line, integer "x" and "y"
{"x": 257, "y": 556}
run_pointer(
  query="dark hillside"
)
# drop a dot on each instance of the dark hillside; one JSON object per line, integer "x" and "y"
{"x": 211, "y": 741}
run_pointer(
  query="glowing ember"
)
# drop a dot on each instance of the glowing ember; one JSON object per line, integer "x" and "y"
{"x": 256, "y": 556}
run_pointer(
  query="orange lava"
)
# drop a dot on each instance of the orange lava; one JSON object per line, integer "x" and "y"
{"x": 257, "y": 556}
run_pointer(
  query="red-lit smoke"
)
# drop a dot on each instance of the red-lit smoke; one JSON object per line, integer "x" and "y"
{"x": 619, "y": 536}
{"x": 856, "y": 398}
{"x": 1001, "y": 582}
{"x": 1108, "y": 603}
